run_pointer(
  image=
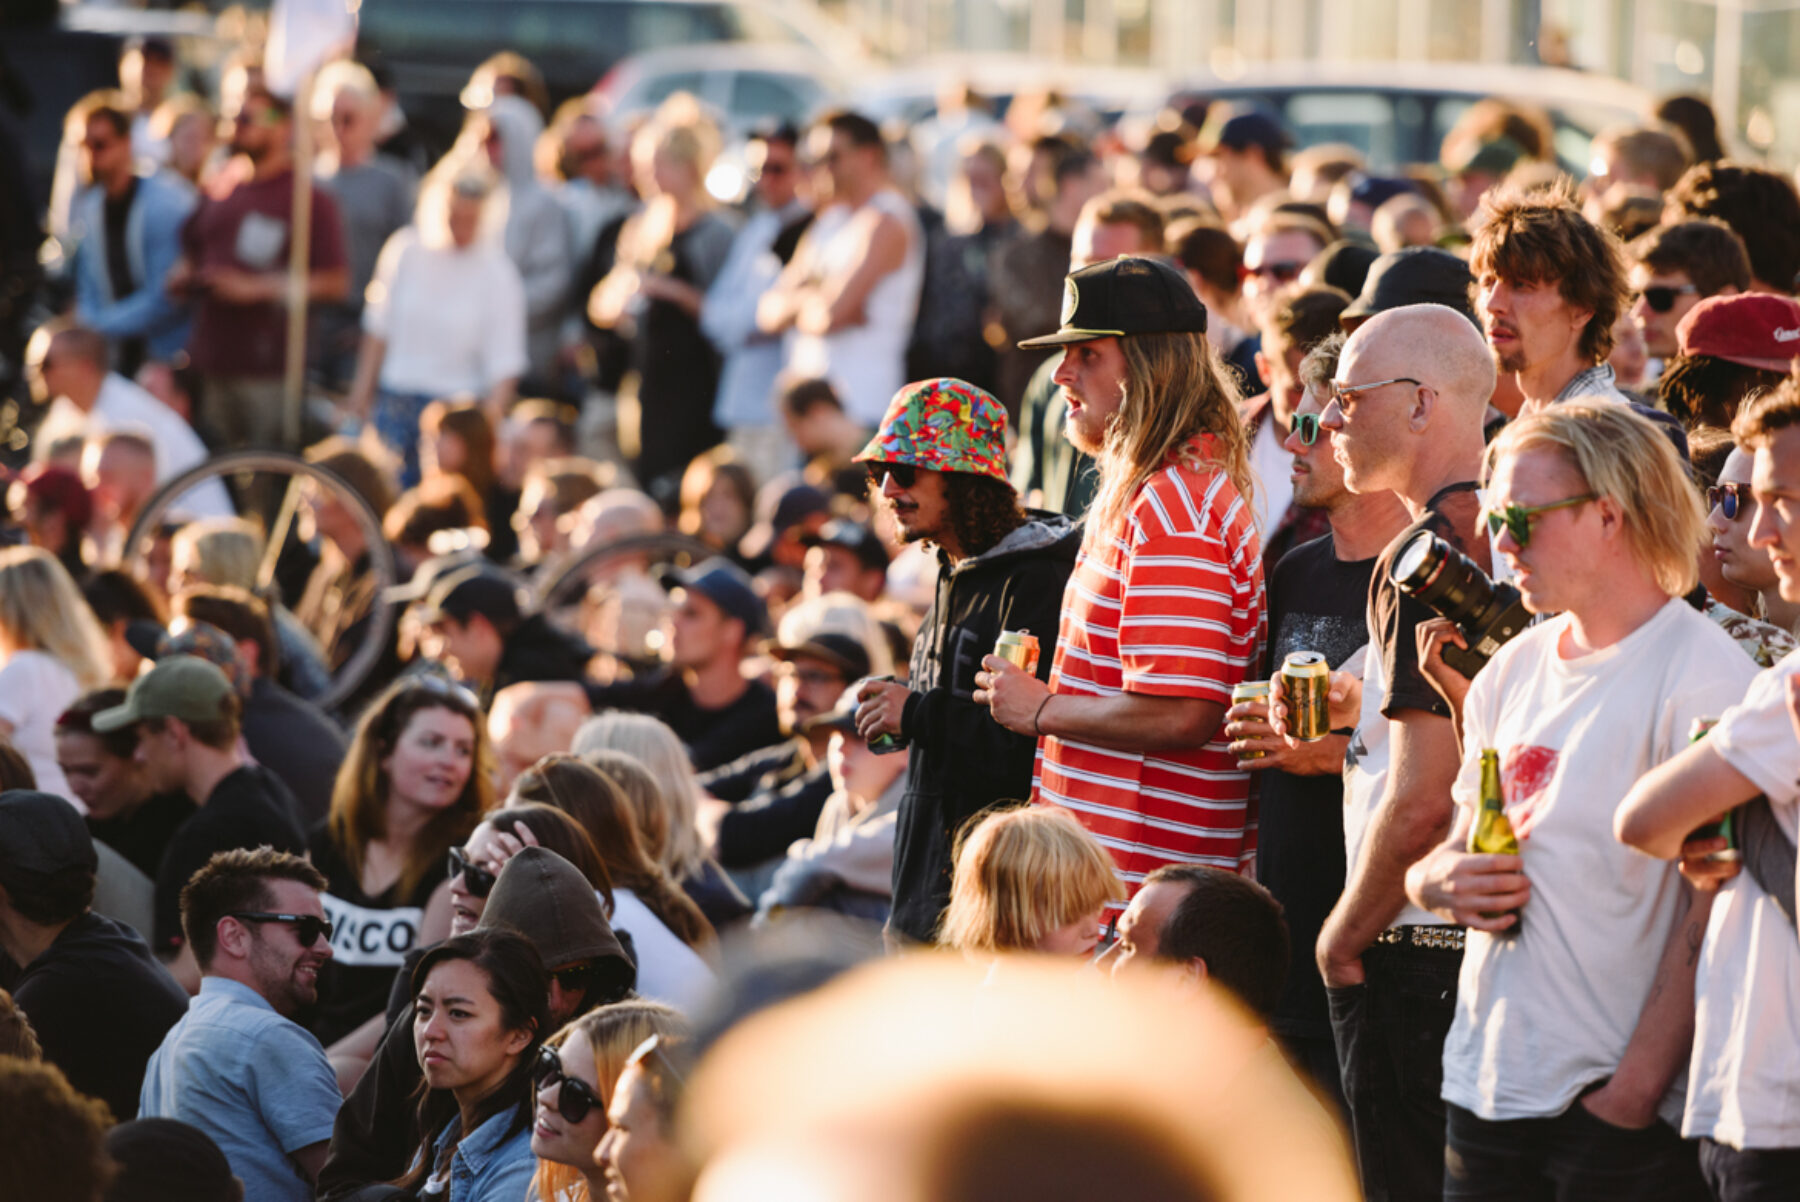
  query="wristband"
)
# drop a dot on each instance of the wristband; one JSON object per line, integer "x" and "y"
{"x": 1036, "y": 730}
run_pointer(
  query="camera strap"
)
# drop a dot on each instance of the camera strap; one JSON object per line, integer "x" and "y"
{"x": 1769, "y": 856}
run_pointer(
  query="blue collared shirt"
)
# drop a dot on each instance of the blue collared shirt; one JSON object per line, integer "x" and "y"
{"x": 489, "y": 1165}
{"x": 258, "y": 1084}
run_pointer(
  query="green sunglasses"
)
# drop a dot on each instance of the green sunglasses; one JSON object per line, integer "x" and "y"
{"x": 1306, "y": 425}
{"x": 1517, "y": 519}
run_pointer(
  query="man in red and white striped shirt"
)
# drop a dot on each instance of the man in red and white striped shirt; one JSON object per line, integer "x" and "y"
{"x": 1164, "y": 611}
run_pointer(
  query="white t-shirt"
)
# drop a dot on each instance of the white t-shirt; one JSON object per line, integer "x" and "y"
{"x": 1365, "y": 780}
{"x": 1543, "y": 1014}
{"x": 1273, "y": 469}
{"x": 668, "y": 970}
{"x": 1744, "y": 1079}
{"x": 123, "y": 405}
{"x": 453, "y": 320}
{"x": 34, "y": 689}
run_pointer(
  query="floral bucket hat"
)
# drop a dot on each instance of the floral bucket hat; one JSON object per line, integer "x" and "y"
{"x": 943, "y": 425}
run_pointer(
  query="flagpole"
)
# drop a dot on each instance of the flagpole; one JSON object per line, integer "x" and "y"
{"x": 299, "y": 258}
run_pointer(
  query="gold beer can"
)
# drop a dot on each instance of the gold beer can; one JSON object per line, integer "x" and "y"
{"x": 1020, "y": 647}
{"x": 1251, "y": 690}
{"x": 1306, "y": 679}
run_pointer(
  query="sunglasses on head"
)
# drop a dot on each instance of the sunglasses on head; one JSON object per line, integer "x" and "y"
{"x": 1517, "y": 519}
{"x": 308, "y": 928}
{"x": 1662, "y": 298}
{"x": 904, "y": 474}
{"x": 1306, "y": 425}
{"x": 574, "y": 1099}
{"x": 477, "y": 880}
{"x": 440, "y": 686}
{"x": 1729, "y": 499}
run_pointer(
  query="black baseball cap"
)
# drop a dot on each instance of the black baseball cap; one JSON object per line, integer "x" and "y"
{"x": 1417, "y": 275}
{"x": 42, "y": 833}
{"x": 1240, "y": 129}
{"x": 1125, "y": 296}
{"x": 724, "y": 584}
{"x": 854, "y": 537}
{"x": 474, "y": 590}
{"x": 844, "y": 652}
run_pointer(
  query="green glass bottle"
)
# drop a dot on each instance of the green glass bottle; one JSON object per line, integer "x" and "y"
{"x": 1492, "y": 833}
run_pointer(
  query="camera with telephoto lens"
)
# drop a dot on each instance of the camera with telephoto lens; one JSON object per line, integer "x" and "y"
{"x": 1487, "y": 612}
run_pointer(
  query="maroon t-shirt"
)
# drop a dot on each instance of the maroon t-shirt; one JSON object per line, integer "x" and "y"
{"x": 249, "y": 230}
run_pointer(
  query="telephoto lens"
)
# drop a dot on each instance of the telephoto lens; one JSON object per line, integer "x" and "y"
{"x": 1487, "y": 612}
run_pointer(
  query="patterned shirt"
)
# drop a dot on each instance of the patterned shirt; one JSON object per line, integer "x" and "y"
{"x": 1170, "y": 606}
{"x": 1763, "y": 642}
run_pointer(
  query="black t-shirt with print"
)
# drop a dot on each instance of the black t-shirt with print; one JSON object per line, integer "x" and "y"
{"x": 1316, "y": 603}
{"x": 1454, "y": 515}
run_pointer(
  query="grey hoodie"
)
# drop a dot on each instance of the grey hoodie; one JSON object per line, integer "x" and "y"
{"x": 537, "y": 232}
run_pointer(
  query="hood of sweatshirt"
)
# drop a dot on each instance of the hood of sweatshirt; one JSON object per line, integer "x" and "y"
{"x": 545, "y": 898}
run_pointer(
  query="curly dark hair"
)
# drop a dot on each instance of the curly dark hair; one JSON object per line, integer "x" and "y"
{"x": 1761, "y": 206}
{"x": 1704, "y": 390}
{"x": 983, "y": 511}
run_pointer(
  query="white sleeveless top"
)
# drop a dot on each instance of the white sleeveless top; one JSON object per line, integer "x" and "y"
{"x": 867, "y": 362}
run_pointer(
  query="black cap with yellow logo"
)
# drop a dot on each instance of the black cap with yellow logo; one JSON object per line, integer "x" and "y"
{"x": 1125, "y": 296}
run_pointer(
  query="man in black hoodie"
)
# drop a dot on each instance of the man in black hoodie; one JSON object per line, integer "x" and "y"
{"x": 938, "y": 463}
{"x": 475, "y": 625}
{"x": 545, "y": 898}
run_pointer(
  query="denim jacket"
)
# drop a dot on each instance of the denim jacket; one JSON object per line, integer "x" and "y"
{"x": 489, "y": 1165}
{"x": 152, "y": 245}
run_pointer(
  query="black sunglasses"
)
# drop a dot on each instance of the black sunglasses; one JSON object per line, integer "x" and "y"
{"x": 903, "y": 473}
{"x": 577, "y": 978}
{"x": 307, "y": 927}
{"x": 477, "y": 880}
{"x": 1728, "y": 499}
{"x": 1661, "y": 298}
{"x": 1306, "y": 425}
{"x": 574, "y": 1099}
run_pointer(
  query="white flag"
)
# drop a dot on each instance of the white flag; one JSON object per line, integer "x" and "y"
{"x": 303, "y": 34}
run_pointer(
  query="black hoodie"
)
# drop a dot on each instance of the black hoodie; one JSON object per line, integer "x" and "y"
{"x": 962, "y": 761}
{"x": 543, "y": 897}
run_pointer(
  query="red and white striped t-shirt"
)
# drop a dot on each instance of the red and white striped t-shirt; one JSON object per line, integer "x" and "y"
{"x": 1171, "y": 606}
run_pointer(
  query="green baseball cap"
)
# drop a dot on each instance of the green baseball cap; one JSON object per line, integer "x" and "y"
{"x": 179, "y": 686}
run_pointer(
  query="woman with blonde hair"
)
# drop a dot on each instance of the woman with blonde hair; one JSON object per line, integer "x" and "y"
{"x": 668, "y": 254}
{"x": 668, "y": 818}
{"x": 1029, "y": 879}
{"x": 575, "y": 1076}
{"x": 51, "y": 651}
{"x": 416, "y": 781}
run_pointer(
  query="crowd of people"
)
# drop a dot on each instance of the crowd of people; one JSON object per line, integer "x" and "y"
{"x": 728, "y": 672}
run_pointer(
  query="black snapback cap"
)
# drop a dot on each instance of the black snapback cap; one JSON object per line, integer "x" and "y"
{"x": 1125, "y": 296}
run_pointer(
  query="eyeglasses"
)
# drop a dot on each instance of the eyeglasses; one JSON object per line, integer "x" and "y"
{"x": 1284, "y": 272}
{"x": 1345, "y": 394}
{"x": 1728, "y": 499}
{"x": 1662, "y": 298}
{"x": 574, "y": 1099}
{"x": 1306, "y": 425}
{"x": 1517, "y": 519}
{"x": 307, "y": 927}
{"x": 904, "y": 474}
{"x": 478, "y": 881}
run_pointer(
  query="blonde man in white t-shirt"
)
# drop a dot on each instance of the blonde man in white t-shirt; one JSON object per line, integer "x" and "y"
{"x": 1743, "y": 1100}
{"x": 1574, "y": 1005}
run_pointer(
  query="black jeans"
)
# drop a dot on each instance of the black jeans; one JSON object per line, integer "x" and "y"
{"x": 1390, "y": 1044}
{"x": 1574, "y": 1157}
{"x": 1750, "y": 1174}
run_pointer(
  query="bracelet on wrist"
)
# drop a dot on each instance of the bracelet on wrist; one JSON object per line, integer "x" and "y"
{"x": 1036, "y": 729}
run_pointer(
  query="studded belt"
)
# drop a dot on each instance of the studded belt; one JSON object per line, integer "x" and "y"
{"x": 1438, "y": 938}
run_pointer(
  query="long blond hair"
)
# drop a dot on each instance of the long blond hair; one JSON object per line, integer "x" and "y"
{"x": 1020, "y": 874}
{"x": 614, "y": 1032}
{"x": 1625, "y": 457}
{"x": 42, "y": 610}
{"x": 1175, "y": 390}
{"x": 649, "y": 741}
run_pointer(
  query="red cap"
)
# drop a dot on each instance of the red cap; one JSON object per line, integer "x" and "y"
{"x": 1756, "y": 329}
{"x": 60, "y": 489}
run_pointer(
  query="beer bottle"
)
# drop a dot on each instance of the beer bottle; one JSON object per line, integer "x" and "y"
{"x": 1492, "y": 834}
{"x": 1724, "y": 827}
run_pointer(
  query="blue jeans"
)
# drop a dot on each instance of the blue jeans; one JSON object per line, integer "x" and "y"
{"x": 1573, "y": 1157}
{"x": 1390, "y": 1043}
{"x": 1750, "y": 1174}
{"x": 397, "y": 422}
